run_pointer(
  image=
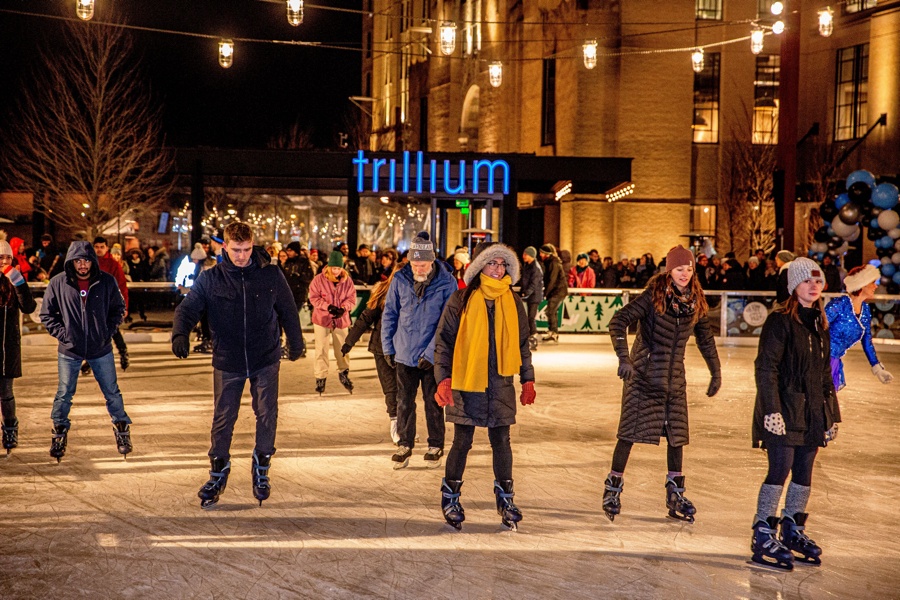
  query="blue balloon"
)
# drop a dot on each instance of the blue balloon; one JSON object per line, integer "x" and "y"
{"x": 888, "y": 270}
{"x": 831, "y": 232}
{"x": 886, "y": 242}
{"x": 820, "y": 256}
{"x": 861, "y": 175}
{"x": 841, "y": 200}
{"x": 874, "y": 223}
{"x": 885, "y": 195}
{"x": 896, "y": 277}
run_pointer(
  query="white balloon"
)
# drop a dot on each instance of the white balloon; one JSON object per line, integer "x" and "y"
{"x": 842, "y": 229}
{"x": 894, "y": 233}
{"x": 821, "y": 247}
{"x": 897, "y": 245}
{"x": 885, "y": 261}
{"x": 896, "y": 258}
{"x": 842, "y": 249}
{"x": 887, "y": 220}
{"x": 853, "y": 236}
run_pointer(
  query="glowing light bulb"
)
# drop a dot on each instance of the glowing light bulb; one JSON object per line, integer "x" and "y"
{"x": 495, "y": 72}
{"x": 448, "y": 37}
{"x": 84, "y": 9}
{"x": 697, "y": 60}
{"x": 777, "y": 8}
{"x": 778, "y": 27}
{"x": 226, "y": 53}
{"x": 826, "y": 22}
{"x": 589, "y": 51}
{"x": 295, "y": 12}
{"x": 756, "y": 39}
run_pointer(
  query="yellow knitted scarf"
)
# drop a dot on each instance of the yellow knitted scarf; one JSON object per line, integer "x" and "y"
{"x": 470, "y": 354}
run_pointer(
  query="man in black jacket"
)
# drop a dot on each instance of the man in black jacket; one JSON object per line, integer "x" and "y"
{"x": 299, "y": 272}
{"x": 83, "y": 308}
{"x": 555, "y": 290}
{"x": 531, "y": 290}
{"x": 248, "y": 302}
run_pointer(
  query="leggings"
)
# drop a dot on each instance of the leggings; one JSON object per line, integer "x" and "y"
{"x": 462, "y": 443}
{"x": 794, "y": 460}
{"x": 674, "y": 456}
{"x": 7, "y": 400}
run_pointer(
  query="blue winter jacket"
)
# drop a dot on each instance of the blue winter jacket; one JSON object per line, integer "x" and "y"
{"x": 84, "y": 329}
{"x": 409, "y": 323}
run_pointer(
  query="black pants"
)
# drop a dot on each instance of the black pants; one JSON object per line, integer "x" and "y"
{"x": 228, "y": 388}
{"x": 674, "y": 456}
{"x": 553, "y": 312}
{"x": 794, "y": 460}
{"x": 388, "y": 379}
{"x": 408, "y": 380}
{"x": 462, "y": 443}
{"x": 532, "y": 316}
{"x": 7, "y": 401}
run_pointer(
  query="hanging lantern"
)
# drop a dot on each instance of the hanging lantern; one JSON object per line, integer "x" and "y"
{"x": 226, "y": 53}
{"x": 757, "y": 35}
{"x": 495, "y": 71}
{"x": 697, "y": 60}
{"x": 295, "y": 12}
{"x": 448, "y": 37}
{"x": 84, "y": 9}
{"x": 826, "y": 21}
{"x": 777, "y": 8}
{"x": 778, "y": 27}
{"x": 589, "y": 51}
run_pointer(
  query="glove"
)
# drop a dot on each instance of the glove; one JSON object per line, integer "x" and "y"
{"x": 528, "y": 394}
{"x": 878, "y": 370}
{"x": 390, "y": 361}
{"x": 15, "y": 277}
{"x": 295, "y": 354}
{"x": 626, "y": 369}
{"x": 774, "y": 424}
{"x": 425, "y": 364}
{"x": 444, "y": 395}
{"x": 831, "y": 434}
{"x": 345, "y": 349}
{"x": 180, "y": 346}
{"x": 715, "y": 384}
{"x": 336, "y": 311}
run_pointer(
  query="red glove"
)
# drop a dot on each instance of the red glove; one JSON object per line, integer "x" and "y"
{"x": 444, "y": 395}
{"x": 527, "y": 396}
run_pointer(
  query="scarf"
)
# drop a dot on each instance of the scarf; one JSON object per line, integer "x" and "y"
{"x": 681, "y": 304}
{"x": 419, "y": 286}
{"x": 470, "y": 354}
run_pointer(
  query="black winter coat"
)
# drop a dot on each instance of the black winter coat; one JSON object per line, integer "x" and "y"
{"x": 555, "y": 285}
{"x": 370, "y": 318}
{"x": 299, "y": 272}
{"x": 496, "y": 406}
{"x": 21, "y": 300}
{"x": 531, "y": 286}
{"x": 793, "y": 377}
{"x": 247, "y": 309}
{"x": 656, "y": 397}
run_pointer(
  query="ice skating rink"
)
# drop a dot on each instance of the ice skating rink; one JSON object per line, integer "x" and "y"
{"x": 342, "y": 524}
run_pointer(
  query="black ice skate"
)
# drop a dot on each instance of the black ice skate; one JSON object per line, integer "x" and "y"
{"x": 320, "y": 385}
{"x": 58, "y": 443}
{"x": 10, "y": 436}
{"x": 260, "y": 474}
{"x": 766, "y": 548}
{"x": 793, "y": 537}
{"x": 680, "y": 508}
{"x": 453, "y": 510}
{"x": 510, "y": 515}
{"x": 401, "y": 457}
{"x": 344, "y": 376}
{"x": 613, "y": 489}
{"x": 551, "y": 336}
{"x": 123, "y": 438}
{"x": 204, "y": 347}
{"x": 124, "y": 361}
{"x": 219, "y": 468}
{"x": 85, "y": 368}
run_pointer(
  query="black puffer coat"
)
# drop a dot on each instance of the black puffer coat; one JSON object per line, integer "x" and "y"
{"x": 656, "y": 397}
{"x": 370, "y": 318}
{"x": 555, "y": 285}
{"x": 793, "y": 377}
{"x": 20, "y": 300}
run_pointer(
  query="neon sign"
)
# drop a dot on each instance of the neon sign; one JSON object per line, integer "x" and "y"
{"x": 413, "y": 178}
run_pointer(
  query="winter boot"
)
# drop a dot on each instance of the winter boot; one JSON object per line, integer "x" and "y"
{"x": 551, "y": 336}
{"x": 123, "y": 438}
{"x": 85, "y": 368}
{"x": 219, "y": 468}
{"x": 401, "y": 457}
{"x": 124, "y": 361}
{"x": 680, "y": 508}
{"x": 260, "y": 474}
{"x": 766, "y": 548}
{"x": 10, "y": 435}
{"x": 510, "y": 515}
{"x": 611, "y": 492}
{"x": 793, "y": 537}
{"x": 59, "y": 441}
{"x": 433, "y": 457}
{"x": 395, "y": 435}
{"x": 344, "y": 376}
{"x": 320, "y": 385}
{"x": 453, "y": 510}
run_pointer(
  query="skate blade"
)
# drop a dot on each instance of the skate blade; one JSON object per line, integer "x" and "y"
{"x": 209, "y": 504}
{"x": 772, "y": 565}
{"x": 683, "y": 518}
{"x": 510, "y": 525}
{"x": 455, "y": 526}
{"x": 812, "y": 561}
{"x": 401, "y": 465}
{"x": 433, "y": 464}
{"x": 610, "y": 516}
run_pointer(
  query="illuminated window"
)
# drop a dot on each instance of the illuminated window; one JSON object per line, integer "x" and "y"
{"x": 703, "y": 219}
{"x": 851, "y": 93}
{"x": 854, "y": 6}
{"x": 709, "y": 10}
{"x": 765, "y": 99}
{"x": 472, "y": 26}
{"x": 706, "y": 101}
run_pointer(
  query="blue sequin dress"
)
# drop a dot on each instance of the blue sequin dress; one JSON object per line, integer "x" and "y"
{"x": 846, "y": 329}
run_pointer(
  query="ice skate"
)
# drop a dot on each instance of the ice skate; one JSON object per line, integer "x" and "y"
{"x": 10, "y": 436}
{"x": 680, "y": 508}
{"x": 401, "y": 457}
{"x": 766, "y": 548}
{"x": 124, "y": 361}
{"x": 85, "y": 368}
{"x": 433, "y": 457}
{"x": 611, "y": 492}
{"x": 533, "y": 342}
{"x": 204, "y": 347}
{"x": 59, "y": 441}
{"x": 344, "y": 377}
{"x": 218, "y": 478}
{"x": 794, "y": 538}
{"x": 260, "y": 474}
{"x": 123, "y": 438}
{"x": 395, "y": 435}
{"x": 510, "y": 515}
{"x": 453, "y": 510}
{"x": 551, "y": 336}
{"x": 320, "y": 385}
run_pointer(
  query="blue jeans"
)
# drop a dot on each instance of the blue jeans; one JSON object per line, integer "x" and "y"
{"x": 104, "y": 372}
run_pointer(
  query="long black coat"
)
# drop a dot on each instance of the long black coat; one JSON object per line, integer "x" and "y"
{"x": 793, "y": 377}
{"x": 656, "y": 396}
{"x": 555, "y": 285}
{"x": 496, "y": 406}
{"x": 21, "y": 300}
{"x": 370, "y": 318}
{"x": 531, "y": 286}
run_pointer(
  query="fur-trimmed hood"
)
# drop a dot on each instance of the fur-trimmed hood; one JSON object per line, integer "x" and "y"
{"x": 487, "y": 251}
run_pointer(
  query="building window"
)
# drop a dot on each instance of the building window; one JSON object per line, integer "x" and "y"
{"x": 765, "y": 99}
{"x": 764, "y": 8}
{"x": 703, "y": 219}
{"x": 472, "y": 26}
{"x": 548, "y": 103}
{"x": 709, "y": 10}
{"x": 706, "y": 101}
{"x": 851, "y": 93}
{"x": 855, "y": 6}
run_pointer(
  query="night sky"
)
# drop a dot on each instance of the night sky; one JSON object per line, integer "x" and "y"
{"x": 268, "y": 88}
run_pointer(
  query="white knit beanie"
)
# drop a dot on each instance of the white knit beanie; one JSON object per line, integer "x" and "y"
{"x": 802, "y": 269}
{"x": 858, "y": 281}
{"x": 5, "y": 248}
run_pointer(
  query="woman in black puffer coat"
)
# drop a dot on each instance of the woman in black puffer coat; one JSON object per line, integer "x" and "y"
{"x": 654, "y": 399}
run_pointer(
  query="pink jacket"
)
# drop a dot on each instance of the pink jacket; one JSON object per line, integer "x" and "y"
{"x": 323, "y": 292}
{"x": 585, "y": 279}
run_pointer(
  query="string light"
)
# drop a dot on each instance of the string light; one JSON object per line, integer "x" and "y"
{"x": 226, "y": 53}
{"x": 778, "y": 27}
{"x": 84, "y": 9}
{"x": 589, "y": 51}
{"x": 295, "y": 12}
{"x": 448, "y": 37}
{"x": 826, "y": 21}
{"x": 757, "y": 35}
{"x": 495, "y": 71}
{"x": 777, "y": 8}
{"x": 697, "y": 60}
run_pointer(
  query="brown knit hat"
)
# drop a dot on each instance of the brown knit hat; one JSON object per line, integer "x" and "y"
{"x": 679, "y": 257}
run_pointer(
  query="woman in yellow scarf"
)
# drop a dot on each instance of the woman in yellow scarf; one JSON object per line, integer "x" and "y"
{"x": 481, "y": 343}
